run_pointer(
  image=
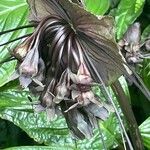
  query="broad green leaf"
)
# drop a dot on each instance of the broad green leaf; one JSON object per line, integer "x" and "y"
{"x": 127, "y": 12}
{"x": 56, "y": 147}
{"x": 97, "y": 7}
{"x": 15, "y": 107}
{"x": 12, "y": 96}
{"x": 37, "y": 126}
{"x": 12, "y": 14}
{"x": 145, "y": 132}
{"x": 112, "y": 130}
{"x": 6, "y": 70}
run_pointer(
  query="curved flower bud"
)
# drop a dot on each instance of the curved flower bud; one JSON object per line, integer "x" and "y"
{"x": 62, "y": 89}
{"x": 21, "y": 51}
{"x": 29, "y": 67}
{"x": 83, "y": 76}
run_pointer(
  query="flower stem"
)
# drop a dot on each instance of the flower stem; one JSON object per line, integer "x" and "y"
{"x": 127, "y": 111}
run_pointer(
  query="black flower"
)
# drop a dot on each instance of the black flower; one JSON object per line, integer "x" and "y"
{"x": 70, "y": 51}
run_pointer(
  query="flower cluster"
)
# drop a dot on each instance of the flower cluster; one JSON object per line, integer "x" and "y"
{"x": 58, "y": 63}
{"x": 131, "y": 45}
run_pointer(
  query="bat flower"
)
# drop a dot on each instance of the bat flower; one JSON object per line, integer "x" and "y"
{"x": 47, "y": 101}
{"x": 68, "y": 52}
{"x": 131, "y": 45}
{"x": 29, "y": 67}
{"x": 81, "y": 91}
{"x": 62, "y": 88}
{"x": 32, "y": 66}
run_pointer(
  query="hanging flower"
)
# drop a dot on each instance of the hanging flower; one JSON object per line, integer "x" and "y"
{"x": 68, "y": 53}
{"x": 81, "y": 91}
{"x": 131, "y": 45}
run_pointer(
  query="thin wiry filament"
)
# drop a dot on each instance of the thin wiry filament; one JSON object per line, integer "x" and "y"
{"x": 110, "y": 98}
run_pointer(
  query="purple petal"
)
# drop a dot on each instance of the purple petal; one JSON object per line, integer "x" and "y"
{"x": 25, "y": 81}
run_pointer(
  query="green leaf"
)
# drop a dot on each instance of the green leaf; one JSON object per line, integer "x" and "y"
{"x": 12, "y": 14}
{"x": 14, "y": 98}
{"x": 97, "y": 7}
{"x": 56, "y": 147}
{"x": 6, "y": 71}
{"x": 111, "y": 130}
{"x": 127, "y": 12}
{"x": 37, "y": 126}
{"x": 15, "y": 107}
{"x": 145, "y": 132}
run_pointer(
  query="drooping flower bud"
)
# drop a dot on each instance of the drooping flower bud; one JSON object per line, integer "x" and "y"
{"x": 21, "y": 51}
{"x": 29, "y": 66}
{"x": 62, "y": 89}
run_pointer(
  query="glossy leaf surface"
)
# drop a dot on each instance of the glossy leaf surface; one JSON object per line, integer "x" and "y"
{"x": 56, "y": 147}
{"x": 145, "y": 132}
{"x": 97, "y": 7}
{"x": 126, "y": 14}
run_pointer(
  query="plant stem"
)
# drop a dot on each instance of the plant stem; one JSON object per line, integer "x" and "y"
{"x": 128, "y": 113}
